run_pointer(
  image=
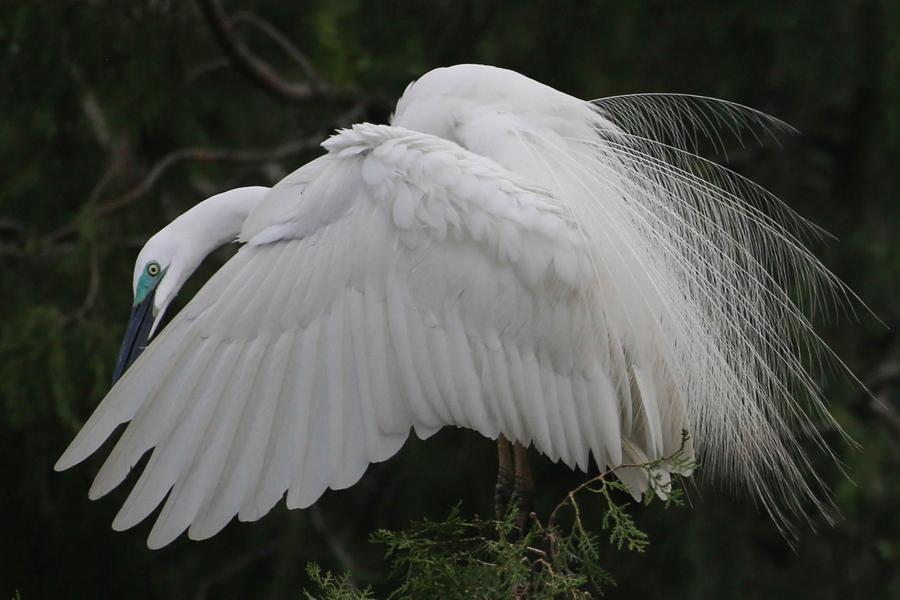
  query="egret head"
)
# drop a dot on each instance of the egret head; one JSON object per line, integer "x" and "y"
{"x": 159, "y": 272}
{"x": 169, "y": 257}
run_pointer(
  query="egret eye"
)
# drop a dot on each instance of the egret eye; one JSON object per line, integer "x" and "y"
{"x": 153, "y": 269}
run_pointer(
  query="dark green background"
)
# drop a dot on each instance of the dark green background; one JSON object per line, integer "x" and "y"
{"x": 93, "y": 95}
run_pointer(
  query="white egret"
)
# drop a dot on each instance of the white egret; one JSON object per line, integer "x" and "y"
{"x": 503, "y": 257}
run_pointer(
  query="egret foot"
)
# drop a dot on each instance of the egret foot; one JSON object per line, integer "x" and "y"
{"x": 523, "y": 492}
{"x": 504, "y": 489}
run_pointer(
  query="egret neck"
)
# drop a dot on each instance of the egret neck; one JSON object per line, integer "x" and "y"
{"x": 169, "y": 257}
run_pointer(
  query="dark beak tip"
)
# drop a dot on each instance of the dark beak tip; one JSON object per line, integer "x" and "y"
{"x": 136, "y": 336}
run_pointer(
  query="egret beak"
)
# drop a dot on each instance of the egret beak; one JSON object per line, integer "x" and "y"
{"x": 137, "y": 335}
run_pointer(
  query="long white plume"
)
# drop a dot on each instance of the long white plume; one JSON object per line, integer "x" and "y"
{"x": 732, "y": 251}
{"x": 718, "y": 255}
{"x": 704, "y": 273}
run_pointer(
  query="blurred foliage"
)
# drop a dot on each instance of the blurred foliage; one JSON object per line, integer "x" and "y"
{"x": 462, "y": 558}
{"x": 97, "y": 94}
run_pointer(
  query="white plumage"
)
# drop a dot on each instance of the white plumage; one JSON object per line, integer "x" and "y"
{"x": 504, "y": 258}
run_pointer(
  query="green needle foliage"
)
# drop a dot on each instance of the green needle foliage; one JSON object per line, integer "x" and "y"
{"x": 464, "y": 558}
{"x": 333, "y": 587}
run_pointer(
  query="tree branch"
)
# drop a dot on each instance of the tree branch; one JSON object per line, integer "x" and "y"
{"x": 52, "y": 241}
{"x": 312, "y": 75}
{"x": 875, "y": 399}
{"x": 259, "y": 70}
{"x": 208, "y": 67}
{"x": 176, "y": 157}
{"x": 203, "y": 155}
{"x": 93, "y": 290}
{"x": 11, "y": 226}
{"x": 232, "y": 568}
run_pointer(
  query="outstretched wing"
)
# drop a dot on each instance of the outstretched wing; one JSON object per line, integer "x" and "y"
{"x": 399, "y": 281}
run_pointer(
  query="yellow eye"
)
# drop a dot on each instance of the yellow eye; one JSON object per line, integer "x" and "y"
{"x": 153, "y": 269}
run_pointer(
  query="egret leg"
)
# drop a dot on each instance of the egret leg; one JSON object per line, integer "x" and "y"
{"x": 523, "y": 493}
{"x": 503, "y": 490}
